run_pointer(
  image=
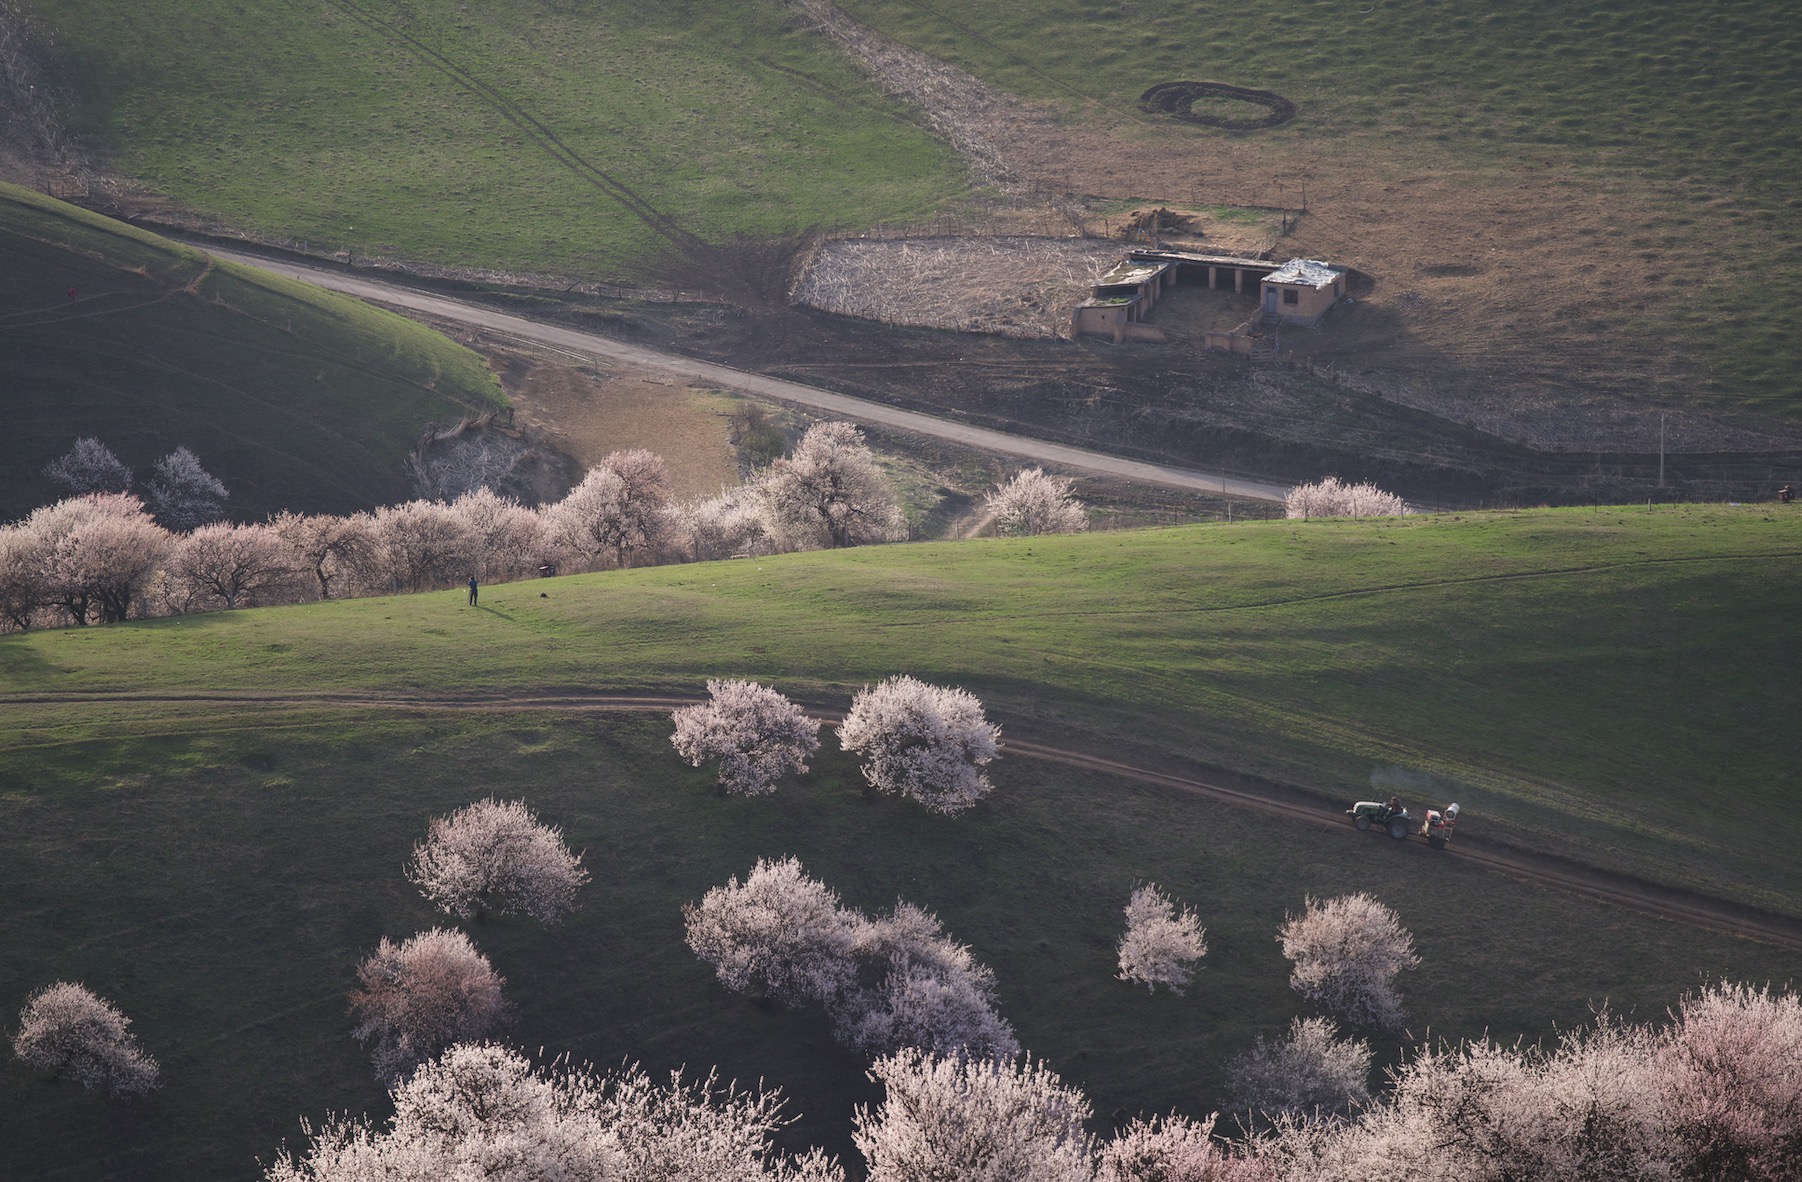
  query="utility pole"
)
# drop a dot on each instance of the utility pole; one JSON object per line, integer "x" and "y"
{"x": 1661, "y": 450}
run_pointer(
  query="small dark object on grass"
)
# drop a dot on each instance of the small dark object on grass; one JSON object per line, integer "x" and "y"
{"x": 544, "y": 595}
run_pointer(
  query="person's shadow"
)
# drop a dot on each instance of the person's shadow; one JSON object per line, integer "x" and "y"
{"x": 491, "y": 611}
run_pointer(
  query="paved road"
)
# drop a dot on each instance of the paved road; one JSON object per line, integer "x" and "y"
{"x": 725, "y": 377}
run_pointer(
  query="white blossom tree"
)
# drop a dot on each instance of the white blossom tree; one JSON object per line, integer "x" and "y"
{"x": 66, "y": 1030}
{"x": 1312, "y": 1073}
{"x": 757, "y": 735}
{"x": 925, "y": 742}
{"x": 89, "y": 467}
{"x": 484, "y": 1112}
{"x": 1033, "y": 503}
{"x": 1346, "y": 953}
{"x": 423, "y": 995}
{"x": 228, "y": 565}
{"x": 1332, "y": 498}
{"x": 1177, "y": 1149}
{"x": 829, "y": 492}
{"x": 973, "y": 1120}
{"x": 779, "y": 934}
{"x": 183, "y": 494}
{"x": 1162, "y": 941}
{"x": 496, "y": 856}
{"x": 619, "y": 513}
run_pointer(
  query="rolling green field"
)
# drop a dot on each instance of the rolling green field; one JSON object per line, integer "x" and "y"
{"x": 1608, "y": 684}
{"x": 293, "y": 396}
{"x": 308, "y": 120}
{"x": 1693, "y": 97}
{"x": 1587, "y": 680}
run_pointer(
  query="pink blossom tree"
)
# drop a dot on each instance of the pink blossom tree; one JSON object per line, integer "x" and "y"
{"x": 1177, "y": 1149}
{"x": 1346, "y": 953}
{"x": 1162, "y": 941}
{"x": 333, "y": 550}
{"x": 973, "y": 1120}
{"x": 66, "y": 1030}
{"x": 778, "y": 934}
{"x": 1312, "y": 1073}
{"x": 423, "y": 995}
{"x": 497, "y": 856}
{"x": 919, "y": 988}
{"x": 97, "y": 552}
{"x": 507, "y": 540}
{"x": 483, "y": 1111}
{"x": 757, "y": 735}
{"x": 229, "y": 565}
{"x": 24, "y": 583}
{"x": 619, "y": 513}
{"x": 724, "y": 526}
{"x": 925, "y": 742}
{"x": 1730, "y": 1069}
{"x": 1033, "y": 503}
{"x": 420, "y": 545}
{"x": 829, "y": 492}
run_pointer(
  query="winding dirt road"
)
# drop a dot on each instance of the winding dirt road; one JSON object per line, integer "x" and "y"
{"x": 1666, "y": 903}
{"x": 725, "y": 377}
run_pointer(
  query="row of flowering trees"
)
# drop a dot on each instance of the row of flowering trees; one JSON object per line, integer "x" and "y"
{"x": 1714, "y": 1094}
{"x": 104, "y": 555}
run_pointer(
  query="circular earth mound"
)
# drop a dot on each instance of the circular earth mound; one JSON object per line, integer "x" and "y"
{"x": 1177, "y": 99}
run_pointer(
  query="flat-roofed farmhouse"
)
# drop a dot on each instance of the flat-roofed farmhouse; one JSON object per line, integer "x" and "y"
{"x": 1302, "y": 290}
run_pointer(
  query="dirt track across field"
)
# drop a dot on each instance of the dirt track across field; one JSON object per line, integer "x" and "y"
{"x": 724, "y": 377}
{"x": 1677, "y": 906}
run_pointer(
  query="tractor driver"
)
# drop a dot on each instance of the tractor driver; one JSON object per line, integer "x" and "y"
{"x": 1392, "y": 808}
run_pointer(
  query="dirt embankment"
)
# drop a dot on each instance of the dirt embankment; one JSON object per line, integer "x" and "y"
{"x": 34, "y": 151}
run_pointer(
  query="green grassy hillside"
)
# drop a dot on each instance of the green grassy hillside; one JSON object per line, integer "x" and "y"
{"x": 1589, "y": 680}
{"x": 1608, "y": 683}
{"x": 1663, "y": 134}
{"x": 399, "y": 125}
{"x": 294, "y": 396}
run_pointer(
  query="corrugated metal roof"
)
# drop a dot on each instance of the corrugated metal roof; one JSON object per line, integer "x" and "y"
{"x": 1311, "y": 272}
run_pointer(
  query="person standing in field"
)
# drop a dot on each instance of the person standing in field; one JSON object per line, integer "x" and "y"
{"x": 472, "y": 590}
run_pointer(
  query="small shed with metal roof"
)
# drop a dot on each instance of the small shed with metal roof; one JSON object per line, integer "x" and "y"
{"x": 1301, "y": 291}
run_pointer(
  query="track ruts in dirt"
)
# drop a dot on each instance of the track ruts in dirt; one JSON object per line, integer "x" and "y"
{"x": 1176, "y": 99}
{"x": 533, "y": 130}
{"x": 1589, "y": 882}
